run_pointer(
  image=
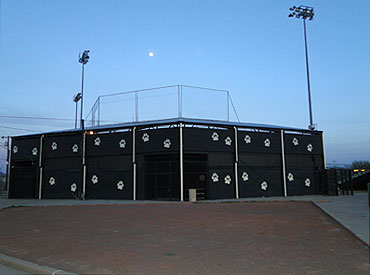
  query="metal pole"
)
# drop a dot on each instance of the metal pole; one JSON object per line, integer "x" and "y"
{"x": 228, "y": 107}
{"x": 82, "y": 93}
{"x": 311, "y": 126}
{"x": 181, "y": 164}
{"x": 84, "y": 166}
{"x": 76, "y": 117}
{"x": 40, "y": 166}
{"x": 98, "y": 110}
{"x": 136, "y": 107}
{"x": 236, "y": 163}
{"x": 323, "y": 150}
{"x": 283, "y": 162}
{"x": 8, "y": 167}
{"x": 134, "y": 162}
{"x": 7, "y": 163}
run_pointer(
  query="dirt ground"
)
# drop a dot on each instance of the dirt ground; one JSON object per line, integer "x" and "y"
{"x": 183, "y": 238}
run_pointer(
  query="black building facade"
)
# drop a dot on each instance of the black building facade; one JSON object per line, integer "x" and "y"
{"x": 162, "y": 160}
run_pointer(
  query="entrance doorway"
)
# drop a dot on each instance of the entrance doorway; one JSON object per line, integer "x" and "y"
{"x": 196, "y": 175}
{"x": 162, "y": 177}
{"x": 23, "y": 178}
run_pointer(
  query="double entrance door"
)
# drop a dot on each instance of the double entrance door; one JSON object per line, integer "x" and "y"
{"x": 162, "y": 173}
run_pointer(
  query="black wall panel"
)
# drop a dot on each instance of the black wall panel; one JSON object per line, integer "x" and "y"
{"x": 260, "y": 160}
{"x": 109, "y": 144}
{"x": 61, "y": 184}
{"x": 62, "y": 146}
{"x": 221, "y": 183}
{"x": 25, "y": 148}
{"x": 221, "y": 160}
{"x": 260, "y": 181}
{"x": 140, "y": 177}
{"x": 24, "y": 180}
{"x": 256, "y": 142}
{"x": 208, "y": 140}
{"x": 157, "y": 140}
{"x": 109, "y": 177}
{"x": 303, "y": 144}
{"x": 63, "y": 164}
{"x": 301, "y": 181}
{"x": 109, "y": 185}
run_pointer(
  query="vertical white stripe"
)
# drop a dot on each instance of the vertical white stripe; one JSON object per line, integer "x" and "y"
{"x": 40, "y": 167}
{"x": 323, "y": 150}
{"x": 181, "y": 164}
{"x": 283, "y": 161}
{"x": 236, "y": 163}
{"x": 134, "y": 163}
{"x": 84, "y": 165}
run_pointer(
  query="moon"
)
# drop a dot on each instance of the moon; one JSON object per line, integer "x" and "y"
{"x": 151, "y": 54}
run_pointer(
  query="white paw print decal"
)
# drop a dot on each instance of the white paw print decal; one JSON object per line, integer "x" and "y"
{"x": 214, "y": 177}
{"x": 94, "y": 179}
{"x": 295, "y": 141}
{"x": 264, "y": 185}
{"x": 51, "y": 181}
{"x": 15, "y": 149}
{"x": 34, "y": 151}
{"x": 122, "y": 143}
{"x": 290, "y": 177}
{"x": 228, "y": 141}
{"x": 247, "y": 139}
{"x": 75, "y": 148}
{"x": 120, "y": 185}
{"x": 245, "y": 176}
{"x": 215, "y": 136}
{"x": 97, "y": 141}
{"x": 307, "y": 182}
{"x": 310, "y": 147}
{"x": 145, "y": 137}
{"x": 167, "y": 143}
{"x": 54, "y": 146}
{"x": 73, "y": 187}
{"x": 267, "y": 142}
{"x": 227, "y": 179}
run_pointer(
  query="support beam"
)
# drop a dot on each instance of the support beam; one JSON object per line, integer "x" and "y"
{"x": 323, "y": 150}
{"x": 283, "y": 162}
{"x": 40, "y": 166}
{"x": 236, "y": 163}
{"x": 181, "y": 163}
{"x": 84, "y": 166}
{"x": 134, "y": 163}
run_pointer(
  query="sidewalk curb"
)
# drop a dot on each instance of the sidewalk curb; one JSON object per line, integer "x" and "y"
{"x": 339, "y": 222}
{"x": 30, "y": 267}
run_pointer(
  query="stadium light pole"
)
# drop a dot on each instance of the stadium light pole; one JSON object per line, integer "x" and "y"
{"x": 83, "y": 59}
{"x": 76, "y": 99}
{"x": 305, "y": 12}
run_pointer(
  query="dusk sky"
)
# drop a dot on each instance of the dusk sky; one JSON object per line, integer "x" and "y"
{"x": 248, "y": 47}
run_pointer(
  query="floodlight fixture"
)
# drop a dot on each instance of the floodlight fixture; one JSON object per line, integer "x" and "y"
{"x": 84, "y": 58}
{"x": 305, "y": 12}
{"x": 76, "y": 99}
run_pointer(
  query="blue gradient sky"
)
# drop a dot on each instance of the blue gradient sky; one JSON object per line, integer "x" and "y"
{"x": 250, "y": 48}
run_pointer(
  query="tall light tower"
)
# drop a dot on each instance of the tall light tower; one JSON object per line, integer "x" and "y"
{"x": 83, "y": 59}
{"x": 304, "y": 12}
